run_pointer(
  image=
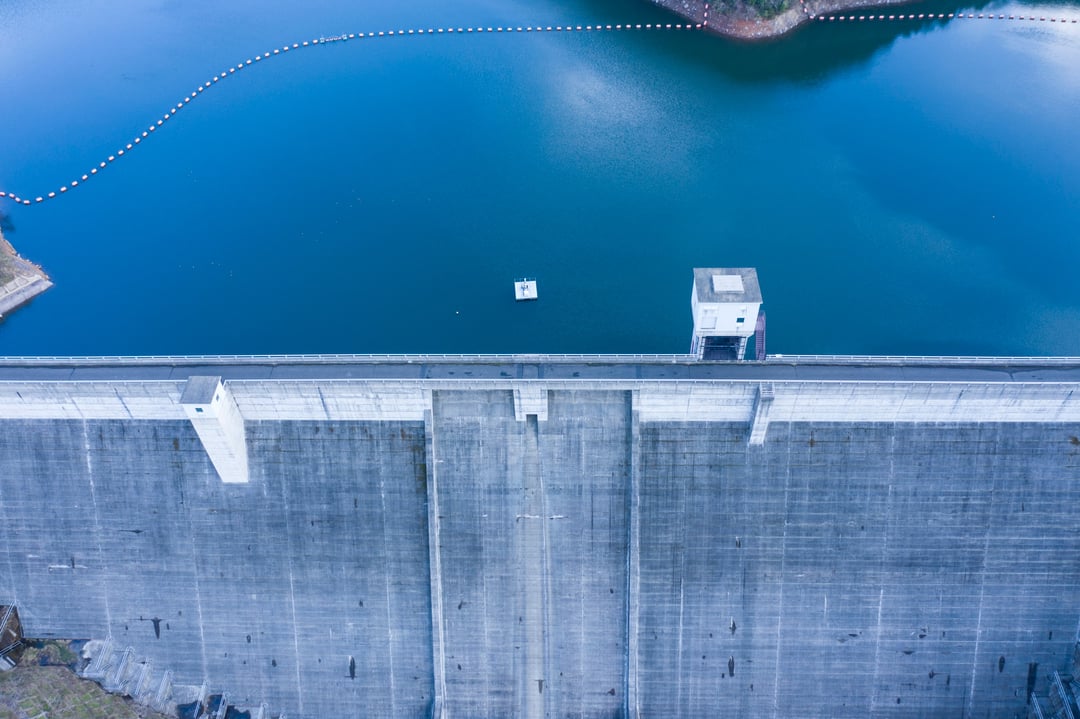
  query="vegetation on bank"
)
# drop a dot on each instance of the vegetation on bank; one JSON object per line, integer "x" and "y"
{"x": 767, "y": 9}
{"x": 7, "y": 268}
{"x": 43, "y": 686}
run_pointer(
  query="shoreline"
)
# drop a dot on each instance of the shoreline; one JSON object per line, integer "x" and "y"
{"x": 28, "y": 280}
{"x": 744, "y": 24}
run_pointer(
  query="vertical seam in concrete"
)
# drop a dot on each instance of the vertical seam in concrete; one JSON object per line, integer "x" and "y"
{"x": 684, "y": 545}
{"x": 389, "y": 599}
{"x": 970, "y": 708}
{"x": 882, "y": 565}
{"x": 533, "y": 540}
{"x": 633, "y": 559}
{"x": 877, "y": 651}
{"x": 438, "y": 632}
{"x": 292, "y": 591}
{"x": 97, "y": 521}
{"x": 198, "y": 601}
{"x": 783, "y": 562}
{"x": 7, "y": 548}
{"x": 545, "y": 564}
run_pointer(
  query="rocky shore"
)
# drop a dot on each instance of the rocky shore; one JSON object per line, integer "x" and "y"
{"x": 760, "y": 19}
{"x": 20, "y": 280}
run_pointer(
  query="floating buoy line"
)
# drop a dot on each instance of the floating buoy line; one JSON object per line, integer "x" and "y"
{"x": 345, "y": 37}
{"x": 908, "y": 17}
{"x": 317, "y": 42}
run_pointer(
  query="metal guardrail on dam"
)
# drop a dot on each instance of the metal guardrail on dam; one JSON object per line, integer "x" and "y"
{"x": 480, "y": 370}
{"x": 776, "y": 359}
{"x": 339, "y": 359}
{"x": 923, "y": 360}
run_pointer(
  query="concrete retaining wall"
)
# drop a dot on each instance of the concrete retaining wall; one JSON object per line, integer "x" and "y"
{"x": 589, "y": 549}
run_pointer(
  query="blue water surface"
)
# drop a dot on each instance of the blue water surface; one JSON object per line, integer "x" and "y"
{"x": 902, "y": 188}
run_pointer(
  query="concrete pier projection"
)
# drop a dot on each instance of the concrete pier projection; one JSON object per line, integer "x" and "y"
{"x": 553, "y": 536}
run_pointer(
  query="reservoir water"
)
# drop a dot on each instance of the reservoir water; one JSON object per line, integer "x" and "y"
{"x": 902, "y": 188}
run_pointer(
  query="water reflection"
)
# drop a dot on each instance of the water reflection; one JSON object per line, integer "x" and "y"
{"x": 810, "y": 54}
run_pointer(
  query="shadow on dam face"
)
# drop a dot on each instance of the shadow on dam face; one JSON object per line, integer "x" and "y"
{"x": 615, "y": 548}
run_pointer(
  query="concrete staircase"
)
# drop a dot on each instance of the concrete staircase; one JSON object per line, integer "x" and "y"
{"x": 10, "y": 635}
{"x": 119, "y": 671}
{"x": 1061, "y": 699}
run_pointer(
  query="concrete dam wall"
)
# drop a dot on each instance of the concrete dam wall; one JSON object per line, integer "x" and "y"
{"x": 550, "y": 539}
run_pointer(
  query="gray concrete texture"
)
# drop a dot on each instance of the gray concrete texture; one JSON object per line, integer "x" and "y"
{"x": 613, "y": 559}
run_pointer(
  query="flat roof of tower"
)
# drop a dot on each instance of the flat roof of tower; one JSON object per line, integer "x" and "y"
{"x": 726, "y": 284}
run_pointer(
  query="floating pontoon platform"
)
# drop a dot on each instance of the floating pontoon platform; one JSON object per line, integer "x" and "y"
{"x": 525, "y": 289}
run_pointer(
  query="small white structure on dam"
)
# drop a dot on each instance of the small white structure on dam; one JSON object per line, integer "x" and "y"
{"x": 726, "y": 302}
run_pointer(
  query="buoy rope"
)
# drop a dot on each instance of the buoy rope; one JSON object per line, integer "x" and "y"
{"x": 316, "y": 42}
{"x": 931, "y": 16}
{"x": 345, "y": 37}
{"x": 944, "y": 16}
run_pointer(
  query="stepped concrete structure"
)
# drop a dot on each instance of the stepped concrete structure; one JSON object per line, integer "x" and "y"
{"x": 552, "y": 536}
